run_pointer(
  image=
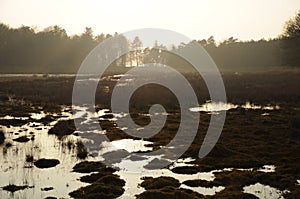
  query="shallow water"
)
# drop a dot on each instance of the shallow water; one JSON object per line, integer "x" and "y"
{"x": 129, "y": 145}
{"x": 38, "y": 116}
{"x": 15, "y": 170}
{"x": 133, "y": 179}
{"x": 215, "y": 107}
{"x": 263, "y": 191}
{"x": 204, "y": 190}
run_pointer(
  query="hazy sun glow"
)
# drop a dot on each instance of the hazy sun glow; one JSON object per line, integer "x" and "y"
{"x": 196, "y": 19}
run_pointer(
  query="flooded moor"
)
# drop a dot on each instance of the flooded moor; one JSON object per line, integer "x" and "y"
{"x": 43, "y": 154}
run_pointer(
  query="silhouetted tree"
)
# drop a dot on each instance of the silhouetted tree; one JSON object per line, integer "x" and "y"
{"x": 291, "y": 42}
{"x": 154, "y": 55}
{"x": 211, "y": 42}
{"x": 26, "y": 50}
{"x": 136, "y": 47}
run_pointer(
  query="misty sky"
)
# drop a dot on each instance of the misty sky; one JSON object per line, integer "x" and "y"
{"x": 197, "y": 19}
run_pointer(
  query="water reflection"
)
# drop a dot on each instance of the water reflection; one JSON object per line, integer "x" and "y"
{"x": 215, "y": 107}
{"x": 38, "y": 116}
{"x": 248, "y": 105}
{"x": 15, "y": 170}
{"x": 133, "y": 179}
{"x": 129, "y": 145}
{"x": 267, "y": 168}
{"x": 263, "y": 191}
{"x": 207, "y": 191}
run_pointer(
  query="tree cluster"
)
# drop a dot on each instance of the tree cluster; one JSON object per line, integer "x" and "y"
{"x": 25, "y": 50}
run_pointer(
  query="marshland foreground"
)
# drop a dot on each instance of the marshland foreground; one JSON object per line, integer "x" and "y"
{"x": 43, "y": 155}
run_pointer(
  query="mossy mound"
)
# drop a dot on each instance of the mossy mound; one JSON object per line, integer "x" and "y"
{"x": 104, "y": 184}
{"x": 62, "y": 128}
{"x": 88, "y": 167}
{"x": 110, "y": 186}
{"x": 46, "y": 163}
{"x": 169, "y": 193}
{"x": 160, "y": 182}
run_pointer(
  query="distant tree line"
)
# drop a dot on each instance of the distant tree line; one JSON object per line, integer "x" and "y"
{"x": 25, "y": 50}
{"x": 51, "y": 50}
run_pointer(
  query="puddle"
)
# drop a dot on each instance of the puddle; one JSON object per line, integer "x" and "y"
{"x": 264, "y": 169}
{"x": 204, "y": 190}
{"x": 264, "y": 191}
{"x": 129, "y": 80}
{"x": 82, "y": 112}
{"x": 215, "y": 107}
{"x": 38, "y": 116}
{"x": 103, "y": 112}
{"x": 133, "y": 179}
{"x": 9, "y": 117}
{"x": 248, "y": 105}
{"x": 182, "y": 163}
{"x": 94, "y": 78}
{"x": 120, "y": 115}
{"x": 129, "y": 145}
{"x": 120, "y": 75}
{"x": 267, "y": 168}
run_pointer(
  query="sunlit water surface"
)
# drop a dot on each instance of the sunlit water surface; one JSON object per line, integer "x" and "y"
{"x": 15, "y": 170}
